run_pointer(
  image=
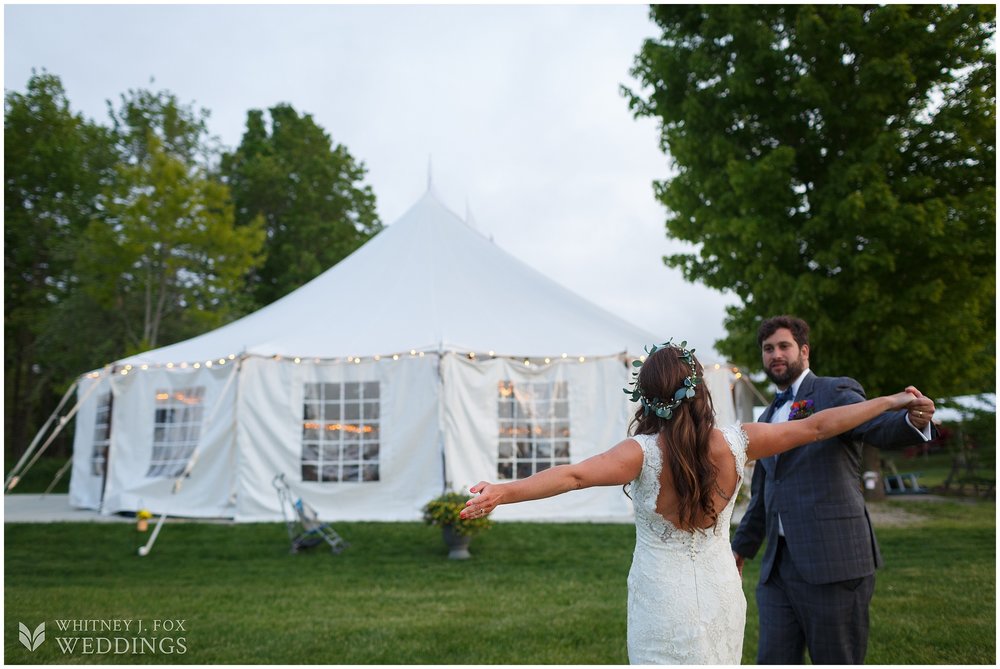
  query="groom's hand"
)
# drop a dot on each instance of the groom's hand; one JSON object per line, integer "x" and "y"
{"x": 739, "y": 562}
{"x": 920, "y": 411}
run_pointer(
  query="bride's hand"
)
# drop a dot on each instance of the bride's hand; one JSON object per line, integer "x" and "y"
{"x": 902, "y": 400}
{"x": 912, "y": 399}
{"x": 481, "y": 505}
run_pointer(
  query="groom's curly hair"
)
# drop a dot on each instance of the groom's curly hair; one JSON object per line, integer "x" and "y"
{"x": 683, "y": 439}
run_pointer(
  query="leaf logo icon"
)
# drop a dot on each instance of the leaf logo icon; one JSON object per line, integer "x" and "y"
{"x": 31, "y": 640}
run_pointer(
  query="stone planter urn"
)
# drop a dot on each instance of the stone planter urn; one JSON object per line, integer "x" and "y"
{"x": 445, "y": 511}
{"x": 458, "y": 544}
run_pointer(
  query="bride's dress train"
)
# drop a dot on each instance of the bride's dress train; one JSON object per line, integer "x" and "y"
{"x": 685, "y": 595}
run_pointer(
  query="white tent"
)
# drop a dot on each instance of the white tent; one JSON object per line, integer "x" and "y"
{"x": 427, "y": 360}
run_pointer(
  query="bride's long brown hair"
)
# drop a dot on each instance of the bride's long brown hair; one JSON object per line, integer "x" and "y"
{"x": 684, "y": 439}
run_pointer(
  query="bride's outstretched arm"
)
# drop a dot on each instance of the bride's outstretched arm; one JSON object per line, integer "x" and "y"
{"x": 767, "y": 439}
{"x": 616, "y": 466}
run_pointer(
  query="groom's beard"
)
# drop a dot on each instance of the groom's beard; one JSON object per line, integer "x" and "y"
{"x": 791, "y": 372}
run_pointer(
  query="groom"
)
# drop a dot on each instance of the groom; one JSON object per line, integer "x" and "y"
{"x": 817, "y": 575}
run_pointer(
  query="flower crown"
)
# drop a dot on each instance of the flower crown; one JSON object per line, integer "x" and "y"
{"x": 661, "y": 407}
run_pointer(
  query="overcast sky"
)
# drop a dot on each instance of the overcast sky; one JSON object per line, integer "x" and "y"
{"x": 516, "y": 108}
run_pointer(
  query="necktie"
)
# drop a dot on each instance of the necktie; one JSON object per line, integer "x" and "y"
{"x": 782, "y": 397}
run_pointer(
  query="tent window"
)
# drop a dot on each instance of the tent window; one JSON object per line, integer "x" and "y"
{"x": 102, "y": 435}
{"x": 340, "y": 432}
{"x": 176, "y": 429}
{"x": 534, "y": 427}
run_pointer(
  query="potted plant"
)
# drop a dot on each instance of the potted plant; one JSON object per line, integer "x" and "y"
{"x": 142, "y": 517}
{"x": 457, "y": 532}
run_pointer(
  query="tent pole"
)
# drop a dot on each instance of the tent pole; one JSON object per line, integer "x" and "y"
{"x": 445, "y": 484}
{"x": 43, "y": 430}
{"x": 144, "y": 550}
{"x": 754, "y": 390}
{"x": 59, "y": 475}
{"x": 48, "y": 442}
{"x": 208, "y": 421}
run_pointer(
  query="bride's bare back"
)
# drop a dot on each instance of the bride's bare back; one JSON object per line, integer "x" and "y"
{"x": 725, "y": 483}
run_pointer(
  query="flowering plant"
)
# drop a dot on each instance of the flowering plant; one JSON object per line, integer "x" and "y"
{"x": 143, "y": 514}
{"x": 801, "y": 409}
{"x": 445, "y": 509}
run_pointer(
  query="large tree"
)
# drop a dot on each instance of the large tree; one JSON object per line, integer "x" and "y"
{"x": 55, "y": 164}
{"x": 165, "y": 260}
{"x": 838, "y": 163}
{"x": 309, "y": 193}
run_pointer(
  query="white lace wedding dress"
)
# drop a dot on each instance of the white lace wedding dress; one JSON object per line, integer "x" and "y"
{"x": 685, "y": 595}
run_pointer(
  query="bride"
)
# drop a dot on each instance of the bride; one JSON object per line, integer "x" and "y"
{"x": 685, "y": 595}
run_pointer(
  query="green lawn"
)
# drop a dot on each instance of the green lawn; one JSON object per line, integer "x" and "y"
{"x": 533, "y": 594}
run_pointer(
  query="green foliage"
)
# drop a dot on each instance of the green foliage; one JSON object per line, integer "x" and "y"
{"x": 308, "y": 193}
{"x": 837, "y": 163}
{"x": 41, "y": 475}
{"x": 55, "y": 164}
{"x": 167, "y": 252}
{"x": 971, "y": 445}
{"x": 125, "y": 237}
{"x": 445, "y": 509}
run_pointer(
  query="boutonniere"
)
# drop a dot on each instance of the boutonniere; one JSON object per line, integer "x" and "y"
{"x": 801, "y": 409}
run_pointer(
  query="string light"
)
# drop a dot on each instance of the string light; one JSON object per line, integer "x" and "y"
{"x": 471, "y": 355}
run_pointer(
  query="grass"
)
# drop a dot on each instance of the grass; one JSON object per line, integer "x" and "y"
{"x": 532, "y": 594}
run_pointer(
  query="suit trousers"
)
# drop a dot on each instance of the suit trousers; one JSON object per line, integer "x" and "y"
{"x": 829, "y": 619}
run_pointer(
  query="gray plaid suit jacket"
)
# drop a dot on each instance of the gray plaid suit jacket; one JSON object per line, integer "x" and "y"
{"x": 816, "y": 489}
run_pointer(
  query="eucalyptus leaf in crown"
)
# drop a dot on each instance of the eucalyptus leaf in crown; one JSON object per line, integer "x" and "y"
{"x": 661, "y": 407}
